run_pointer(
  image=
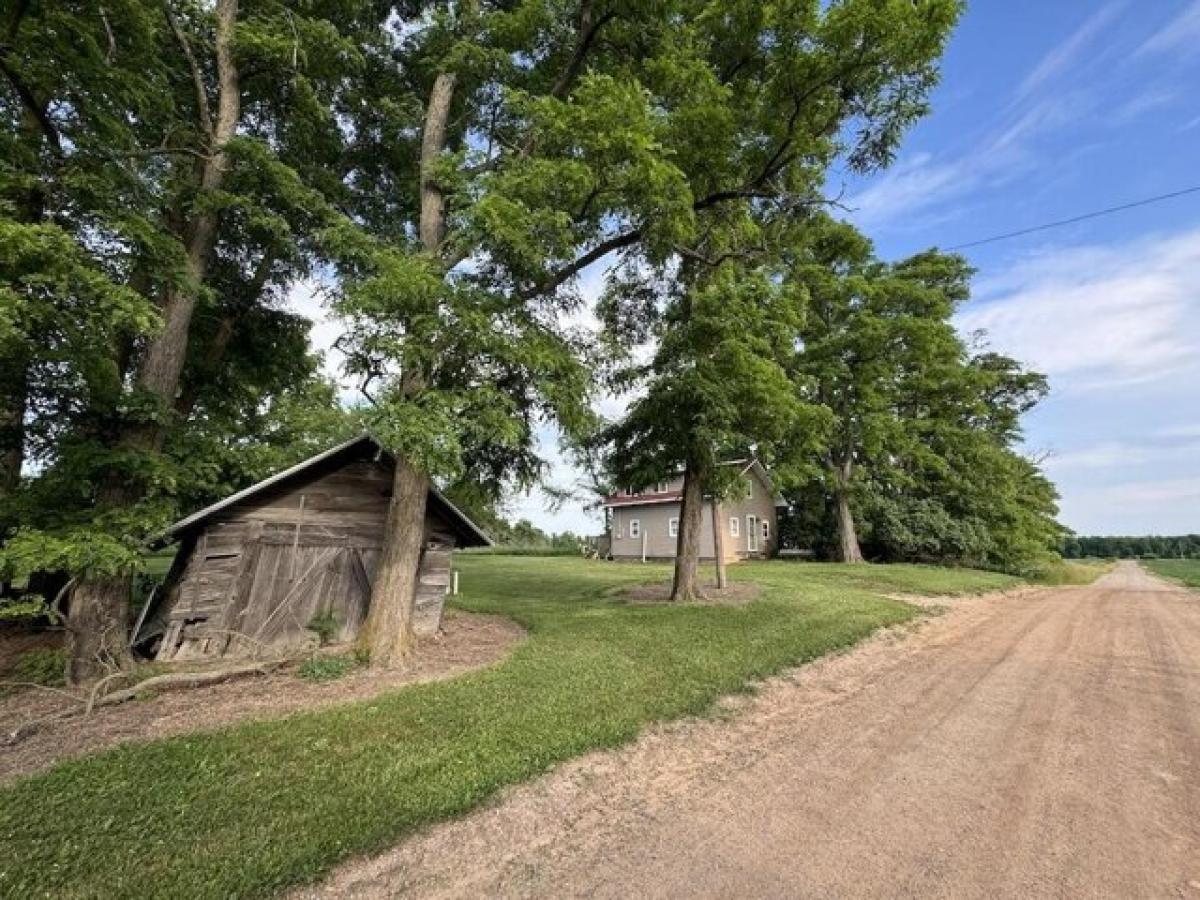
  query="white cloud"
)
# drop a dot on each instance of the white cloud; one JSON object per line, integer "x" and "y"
{"x": 1097, "y": 316}
{"x": 1154, "y": 506}
{"x": 1123, "y": 455}
{"x": 1182, "y": 33}
{"x": 1062, "y": 57}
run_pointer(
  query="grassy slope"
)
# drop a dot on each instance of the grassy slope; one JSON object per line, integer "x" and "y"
{"x": 1072, "y": 572}
{"x": 253, "y": 808}
{"x": 1185, "y": 570}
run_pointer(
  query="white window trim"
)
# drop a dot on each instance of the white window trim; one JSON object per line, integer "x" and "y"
{"x": 673, "y": 527}
{"x": 635, "y": 528}
{"x": 766, "y": 530}
{"x": 735, "y": 526}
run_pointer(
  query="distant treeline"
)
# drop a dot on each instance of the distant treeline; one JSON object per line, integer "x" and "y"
{"x": 1186, "y": 546}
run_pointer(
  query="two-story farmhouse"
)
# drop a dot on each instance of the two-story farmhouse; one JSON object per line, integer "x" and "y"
{"x": 644, "y": 525}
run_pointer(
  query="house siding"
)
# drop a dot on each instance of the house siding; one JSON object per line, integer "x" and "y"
{"x": 654, "y": 519}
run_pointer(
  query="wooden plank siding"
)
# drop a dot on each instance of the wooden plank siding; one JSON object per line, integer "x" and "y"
{"x": 260, "y": 570}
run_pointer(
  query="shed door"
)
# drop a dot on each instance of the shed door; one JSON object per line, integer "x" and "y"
{"x": 295, "y": 585}
{"x": 752, "y": 534}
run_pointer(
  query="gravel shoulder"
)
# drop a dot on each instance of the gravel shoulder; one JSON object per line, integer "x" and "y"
{"x": 1039, "y": 743}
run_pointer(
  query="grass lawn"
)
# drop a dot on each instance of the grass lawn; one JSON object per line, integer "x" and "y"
{"x": 254, "y": 808}
{"x": 1072, "y": 572}
{"x": 1185, "y": 570}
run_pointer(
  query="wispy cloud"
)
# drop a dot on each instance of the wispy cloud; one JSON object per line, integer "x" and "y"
{"x": 1123, "y": 454}
{"x": 1136, "y": 107}
{"x": 1181, "y": 33}
{"x": 1100, "y": 316}
{"x": 1062, "y": 57}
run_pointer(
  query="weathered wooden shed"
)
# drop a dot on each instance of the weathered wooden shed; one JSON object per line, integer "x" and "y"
{"x": 257, "y": 569}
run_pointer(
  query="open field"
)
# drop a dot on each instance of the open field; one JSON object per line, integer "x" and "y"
{"x": 250, "y": 809}
{"x": 1186, "y": 571}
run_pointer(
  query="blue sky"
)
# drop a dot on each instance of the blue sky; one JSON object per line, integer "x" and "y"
{"x": 1048, "y": 110}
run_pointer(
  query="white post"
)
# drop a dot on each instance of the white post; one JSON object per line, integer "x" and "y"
{"x": 454, "y": 582}
{"x": 643, "y": 545}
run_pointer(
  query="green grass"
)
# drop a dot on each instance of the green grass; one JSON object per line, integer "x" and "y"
{"x": 1186, "y": 571}
{"x": 254, "y": 808}
{"x": 1071, "y": 572}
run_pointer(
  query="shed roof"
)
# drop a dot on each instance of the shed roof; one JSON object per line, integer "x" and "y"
{"x": 473, "y": 535}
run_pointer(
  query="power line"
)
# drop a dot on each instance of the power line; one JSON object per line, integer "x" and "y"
{"x": 1073, "y": 220}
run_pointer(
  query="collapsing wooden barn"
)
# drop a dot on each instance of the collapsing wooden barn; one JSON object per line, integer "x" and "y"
{"x": 258, "y": 570}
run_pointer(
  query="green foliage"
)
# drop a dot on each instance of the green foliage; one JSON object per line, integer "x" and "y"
{"x": 922, "y": 432}
{"x": 1062, "y": 572}
{"x": 41, "y": 665}
{"x": 317, "y": 788}
{"x": 325, "y": 626}
{"x": 326, "y": 668}
{"x": 23, "y": 608}
{"x": 1185, "y": 546}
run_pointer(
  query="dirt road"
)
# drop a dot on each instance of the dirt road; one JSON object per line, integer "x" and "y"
{"x": 1039, "y": 745}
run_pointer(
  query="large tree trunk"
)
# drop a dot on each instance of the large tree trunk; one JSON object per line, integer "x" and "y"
{"x": 162, "y": 364}
{"x": 687, "y": 547}
{"x": 719, "y": 545}
{"x": 98, "y": 630}
{"x": 848, "y": 547}
{"x": 102, "y": 601}
{"x": 387, "y": 634}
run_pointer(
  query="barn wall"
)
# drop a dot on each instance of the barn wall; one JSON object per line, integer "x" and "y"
{"x": 261, "y": 570}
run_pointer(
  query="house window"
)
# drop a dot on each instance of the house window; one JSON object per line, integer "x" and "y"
{"x": 629, "y": 492}
{"x": 766, "y": 526}
{"x": 635, "y": 528}
{"x": 735, "y": 527}
{"x": 660, "y": 488}
{"x": 749, "y": 488}
{"x": 673, "y": 527}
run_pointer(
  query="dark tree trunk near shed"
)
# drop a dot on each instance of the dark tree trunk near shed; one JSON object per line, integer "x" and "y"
{"x": 97, "y": 631}
{"x": 387, "y": 634}
{"x": 162, "y": 363}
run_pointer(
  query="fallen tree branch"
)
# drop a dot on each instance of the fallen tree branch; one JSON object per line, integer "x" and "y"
{"x": 169, "y": 682}
{"x": 178, "y": 680}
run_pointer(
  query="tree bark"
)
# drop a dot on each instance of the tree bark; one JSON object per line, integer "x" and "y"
{"x": 687, "y": 547}
{"x": 98, "y": 639}
{"x": 387, "y": 634}
{"x": 162, "y": 364}
{"x": 433, "y": 142}
{"x": 719, "y": 545}
{"x": 848, "y": 546}
{"x": 102, "y": 602}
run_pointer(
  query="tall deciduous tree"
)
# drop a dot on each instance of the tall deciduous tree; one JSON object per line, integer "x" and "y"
{"x": 757, "y": 100}
{"x": 921, "y": 436}
{"x": 187, "y": 155}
